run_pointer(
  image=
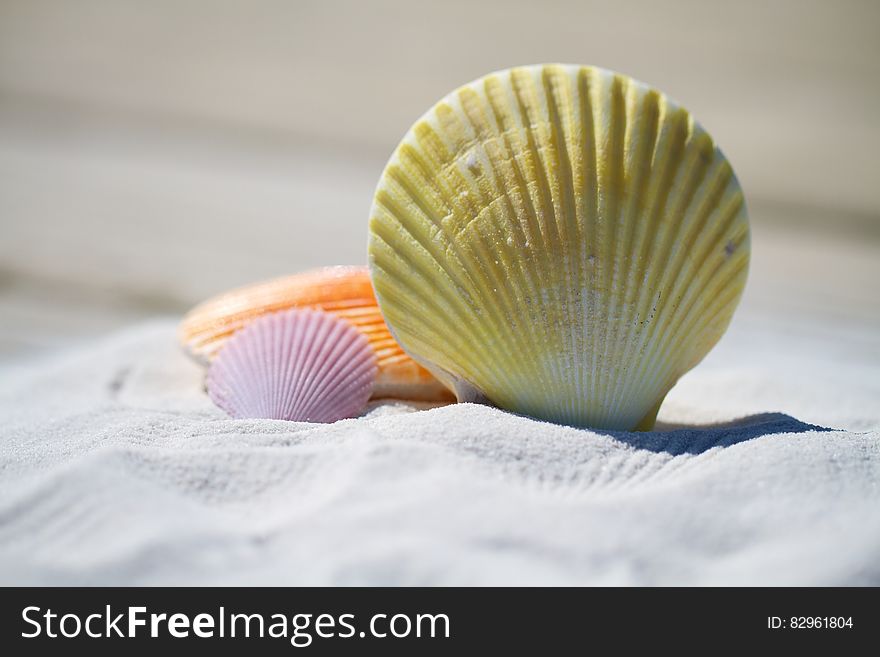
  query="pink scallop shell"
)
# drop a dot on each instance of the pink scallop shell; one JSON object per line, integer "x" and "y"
{"x": 300, "y": 365}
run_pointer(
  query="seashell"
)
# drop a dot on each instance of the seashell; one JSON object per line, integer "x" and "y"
{"x": 561, "y": 241}
{"x": 344, "y": 291}
{"x": 301, "y": 365}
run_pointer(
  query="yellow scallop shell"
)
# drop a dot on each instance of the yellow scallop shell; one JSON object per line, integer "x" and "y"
{"x": 562, "y": 241}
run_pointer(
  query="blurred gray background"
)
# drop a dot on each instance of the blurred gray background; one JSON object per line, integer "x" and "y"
{"x": 153, "y": 153}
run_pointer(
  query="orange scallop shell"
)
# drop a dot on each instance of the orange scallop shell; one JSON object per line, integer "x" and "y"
{"x": 344, "y": 291}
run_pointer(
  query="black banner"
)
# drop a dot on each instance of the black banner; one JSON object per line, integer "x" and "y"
{"x": 429, "y": 621}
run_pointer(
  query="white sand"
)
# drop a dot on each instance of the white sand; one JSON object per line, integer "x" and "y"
{"x": 116, "y": 469}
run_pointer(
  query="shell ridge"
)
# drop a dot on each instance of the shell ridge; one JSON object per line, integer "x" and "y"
{"x": 586, "y": 84}
{"x": 292, "y": 364}
{"x": 281, "y": 357}
{"x": 641, "y": 145}
{"x": 252, "y": 353}
{"x": 291, "y": 347}
{"x": 555, "y": 81}
{"x": 278, "y": 350}
{"x": 595, "y": 84}
{"x": 274, "y": 347}
{"x": 611, "y": 185}
{"x": 523, "y": 90}
{"x": 620, "y": 137}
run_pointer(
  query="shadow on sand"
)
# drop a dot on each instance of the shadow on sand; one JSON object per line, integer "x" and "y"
{"x": 678, "y": 439}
